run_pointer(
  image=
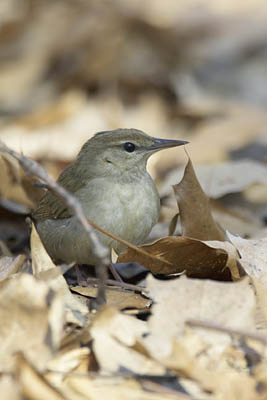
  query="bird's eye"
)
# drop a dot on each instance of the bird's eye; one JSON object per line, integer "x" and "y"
{"x": 129, "y": 147}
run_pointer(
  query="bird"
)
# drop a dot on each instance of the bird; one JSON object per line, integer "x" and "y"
{"x": 110, "y": 179}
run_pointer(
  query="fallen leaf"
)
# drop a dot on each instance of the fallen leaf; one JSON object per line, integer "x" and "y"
{"x": 115, "y": 297}
{"x": 227, "y": 304}
{"x": 15, "y": 185}
{"x": 65, "y": 363}
{"x": 115, "y": 336}
{"x": 28, "y": 322}
{"x": 222, "y": 178}
{"x": 252, "y": 256}
{"x": 33, "y": 385}
{"x": 11, "y": 265}
{"x": 210, "y": 379}
{"x": 117, "y": 388}
{"x": 45, "y": 270}
{"x": 194, "y": 257}
{"x": 9, "y": 388}
{"x": 261, "y": 293}
{"x": 194, "y": 208}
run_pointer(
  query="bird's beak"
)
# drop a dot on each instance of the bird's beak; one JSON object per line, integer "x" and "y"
{"x": 160, "y": 144}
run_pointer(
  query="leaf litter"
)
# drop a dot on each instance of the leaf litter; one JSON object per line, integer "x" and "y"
{"x": 198, "y": 327}
{"x": 201, "y": 331}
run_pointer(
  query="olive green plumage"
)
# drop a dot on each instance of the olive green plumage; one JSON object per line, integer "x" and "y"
{"x": 110, "y": 179}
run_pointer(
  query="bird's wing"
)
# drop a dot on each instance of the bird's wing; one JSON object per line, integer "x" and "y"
{"x": 50, "y": 206}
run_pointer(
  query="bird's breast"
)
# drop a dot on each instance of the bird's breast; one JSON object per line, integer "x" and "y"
{"x": 129, "y": 210}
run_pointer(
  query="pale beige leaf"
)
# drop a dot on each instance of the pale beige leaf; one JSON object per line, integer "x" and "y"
{"x": 176, "y": 301}
{"x": 9, "y": 388}
{"x": 33, "y": 385}
{"x": 116, "y": 388}
{"x": 222, "y": 178}
{"x": 115, "y": 336}
{"x": 27, "y": 320}
{"x": 15, "y": 185}
{"x": 10, "y": 265}
{"x": 42, "y": 263}
{"x": 253, "y": 256}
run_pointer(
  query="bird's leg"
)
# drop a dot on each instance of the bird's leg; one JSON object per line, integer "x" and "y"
{"x": 114, "y": 273}
{"x": 80, "y": 278}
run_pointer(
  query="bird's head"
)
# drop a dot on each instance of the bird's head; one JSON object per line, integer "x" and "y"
{"x": 113, "y": 152}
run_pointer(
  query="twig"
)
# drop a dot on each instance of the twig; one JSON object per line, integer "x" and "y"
{"x": 122, "y": 285}
{"x": 101, "y": 252}
{"x": 214, "y": 327}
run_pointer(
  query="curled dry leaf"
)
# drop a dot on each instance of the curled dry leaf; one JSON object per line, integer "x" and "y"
{"x": 195, "y": 212}
{"x": 172, "y": 255}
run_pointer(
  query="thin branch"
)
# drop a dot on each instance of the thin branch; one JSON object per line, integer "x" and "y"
{"x": 230, "y": 331}
{"x": 123, "y": 285}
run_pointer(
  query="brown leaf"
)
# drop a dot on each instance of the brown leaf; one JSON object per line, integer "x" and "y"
{"x": 195, "y": 212}
{"x": 117, "y": 298}
{"x": 194, "y": 257}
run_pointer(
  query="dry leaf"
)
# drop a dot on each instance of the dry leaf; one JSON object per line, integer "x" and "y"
{"x": 33, "y": 385}
{"x": 72, "y": 361}
{"x": 9, "y": 388}
{"x": 114, "y": 338}
{"x": 209, "y": 379}
{"x": 117, "y": 298}
{"x": 15, "y": 185}
{"x": 11, "y": 265}
{"x": 253, "y": 256}
{"x": 194, "y": 207}
{"x": 43, "y": 268}
{"x": 116, "y": 388}
{"x": 222, "y": 178}
{"x": 195, "y": 258}
{"x": 261, "y": 292}
{"x": 29, "y": 323}
{"x": 230, "y": 305}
